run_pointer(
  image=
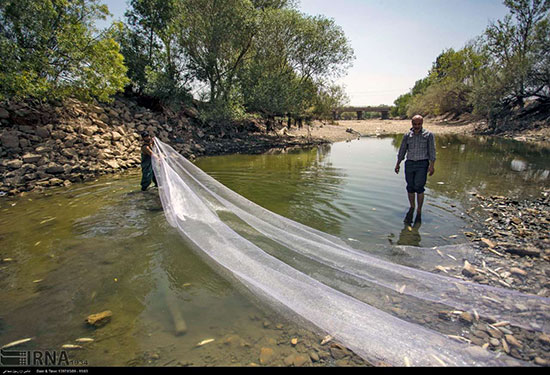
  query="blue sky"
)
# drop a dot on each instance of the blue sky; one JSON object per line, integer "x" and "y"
{"x": 395, "y": 41}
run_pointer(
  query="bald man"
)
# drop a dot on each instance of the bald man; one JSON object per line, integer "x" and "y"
{"x": 418, "y": 145}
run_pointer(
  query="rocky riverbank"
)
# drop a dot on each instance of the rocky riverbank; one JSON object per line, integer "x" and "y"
{"x": 58, "y": 143}
{"x": 512, "y": 239}
{"x": 51, "y": 144}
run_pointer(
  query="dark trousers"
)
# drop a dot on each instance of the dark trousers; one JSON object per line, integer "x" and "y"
{"x": 147, "y": 176}
{"x": 416, "y": 174}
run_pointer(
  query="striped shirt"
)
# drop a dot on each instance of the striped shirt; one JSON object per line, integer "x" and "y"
{"x": 417, "y": 146}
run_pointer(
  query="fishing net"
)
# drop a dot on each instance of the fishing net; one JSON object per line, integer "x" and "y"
{"x": 377, "y": 308}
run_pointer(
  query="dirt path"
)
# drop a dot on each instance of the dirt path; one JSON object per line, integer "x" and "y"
{"x": 337, "y": 132}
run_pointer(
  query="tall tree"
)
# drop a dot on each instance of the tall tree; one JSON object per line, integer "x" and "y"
{"x": 513, "y": 46}
{"x": 51, "y": 47}
{"x": 293, "y": 55}
{"x": 217, "y": 37}
{"x": 149, "y": 43}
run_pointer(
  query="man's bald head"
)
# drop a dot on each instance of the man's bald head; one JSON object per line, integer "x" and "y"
{"x": 417, "y": 119}
{"x": 417, "y": 122}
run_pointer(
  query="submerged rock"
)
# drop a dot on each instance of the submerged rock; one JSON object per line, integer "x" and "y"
{"x": 266, "y": 356}
{"x": 468, "y": 270}
{"x": 99, "y": 319}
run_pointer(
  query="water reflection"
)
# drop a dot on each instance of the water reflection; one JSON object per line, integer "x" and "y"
{"x": 298, "y": 183}
{"x": 410, "y": 234}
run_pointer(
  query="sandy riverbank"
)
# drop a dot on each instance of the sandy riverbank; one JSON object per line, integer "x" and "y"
{"x": 337, "y": 132}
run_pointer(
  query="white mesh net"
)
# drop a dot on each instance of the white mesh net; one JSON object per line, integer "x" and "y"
{"x": 319, "y": 280}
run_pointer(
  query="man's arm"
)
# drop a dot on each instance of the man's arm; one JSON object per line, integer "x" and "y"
{"x": 431, "y": 154}
{"x": 401, "y": 153}
{"x": 146, "y": 149}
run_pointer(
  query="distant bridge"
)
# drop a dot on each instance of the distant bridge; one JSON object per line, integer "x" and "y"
{"x": 384, "y": 111}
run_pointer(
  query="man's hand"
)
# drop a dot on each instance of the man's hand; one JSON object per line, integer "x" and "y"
{"x": 397, "y": 167}
{"x": 431, "y": 170}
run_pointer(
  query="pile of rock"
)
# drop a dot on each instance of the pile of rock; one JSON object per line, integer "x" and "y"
{"x": 52, "y": 144}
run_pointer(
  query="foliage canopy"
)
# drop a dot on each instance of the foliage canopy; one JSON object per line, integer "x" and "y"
{"x": 51, "y": 48}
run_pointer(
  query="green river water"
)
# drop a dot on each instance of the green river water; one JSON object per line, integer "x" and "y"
{"x": 105, "y": 245}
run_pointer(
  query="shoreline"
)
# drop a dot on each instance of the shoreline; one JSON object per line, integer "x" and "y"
{"x": 337, "y": 132}
{"x": 44, "y": 145}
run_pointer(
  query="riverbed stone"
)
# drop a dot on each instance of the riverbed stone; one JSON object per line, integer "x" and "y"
{"x": 267, "y": 356}
{"x": 523, "y": 250}
{"x": 542, "y": 362}
{"x": 544, "y": 338}
{"x": 466, "y": 317}
{"x": 338, "y": 351}
{"x": 469, "y": 270}
{"x": 300, "y": 360}
{"x": 314, "y": 356}
{"x": 100, "y": 319}
{"x": 55, "y": 181}
{"x": 116, "y": 136}
{"x": 513, "y": 341}
{"x": 518, "y": 271}
{"x": 54, "y": 168}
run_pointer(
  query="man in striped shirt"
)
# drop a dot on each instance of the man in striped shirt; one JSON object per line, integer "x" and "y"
{"x": 418, "y": 145}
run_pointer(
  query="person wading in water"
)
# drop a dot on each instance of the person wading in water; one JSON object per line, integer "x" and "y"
{"x": 147, "y": 174}
{"x": 419, "y": 146}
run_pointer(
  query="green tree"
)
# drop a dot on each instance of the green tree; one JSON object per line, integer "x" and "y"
{"x": 156, "y": 63}
{"x": 328, "y": 99}
{"x": 51, "y": 48}
{"x": 292, "y": 57}
{"x": 410, "y": 103}
{"x": 217, "y": 37}
{"x": 452, "y": 78}
{"x": 401, "y": 105}
{"x": 515, "y": 48}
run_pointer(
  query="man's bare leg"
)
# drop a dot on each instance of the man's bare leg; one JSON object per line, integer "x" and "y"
{"x": 420, "y": 199}
{"x": 410, "y": 213}
{"x": 411, "y": 200}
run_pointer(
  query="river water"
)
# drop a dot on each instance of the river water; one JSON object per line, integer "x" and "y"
{"x": 104, "y": 245}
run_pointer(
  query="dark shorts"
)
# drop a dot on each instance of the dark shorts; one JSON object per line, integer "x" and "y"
{"x": 416, "y": 174}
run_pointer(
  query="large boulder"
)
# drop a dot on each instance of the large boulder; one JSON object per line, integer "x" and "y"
{"x": 31, "y": 158}
{"x": 4, "y": 114}
{"x": 14, "y": 164}
{"x": 54, "y": 168}
{"x": 42, "y": 132}
{"x": 10, "y": 140}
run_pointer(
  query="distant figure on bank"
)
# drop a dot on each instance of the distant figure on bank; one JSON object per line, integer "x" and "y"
{"x": 147, "y": 174}
{"x": 419, "y": 146}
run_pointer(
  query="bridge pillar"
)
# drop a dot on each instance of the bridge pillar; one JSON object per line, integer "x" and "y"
{"x": 359, "y": 115}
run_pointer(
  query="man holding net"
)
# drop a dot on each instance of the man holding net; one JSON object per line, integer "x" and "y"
{"x": 418, "y": 145}
{"x": 147, "y": 174}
